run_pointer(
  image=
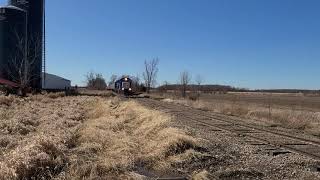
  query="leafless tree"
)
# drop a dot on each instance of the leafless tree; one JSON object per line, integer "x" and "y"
{"x": 113, "y": 79}
{"x": 21, "y": 68}
{"x": 150, "y": 73}
{"x": 136, "y": 85}
{"x": 185, "y": 79}
{"x": 90, "y": 77}
{"x": 95, "y": 81}
{"x": 199, "y": 80}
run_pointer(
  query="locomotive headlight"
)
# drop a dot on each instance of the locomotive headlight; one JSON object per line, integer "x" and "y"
{"x": 130, "y": 89}
{"x": 122, "y": 89}
{"x": 126, "y": 79}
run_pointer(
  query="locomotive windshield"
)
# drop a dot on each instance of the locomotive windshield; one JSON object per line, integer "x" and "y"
{"x": 126, "y": 85}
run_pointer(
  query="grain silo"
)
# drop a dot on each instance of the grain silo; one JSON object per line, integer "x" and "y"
{"x": 22, "y": 20}
{"x": 12, "y": 31}
{"x": 35, "y": 20}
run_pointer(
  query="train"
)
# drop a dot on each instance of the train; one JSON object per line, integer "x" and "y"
{"x": 124, "y": 86}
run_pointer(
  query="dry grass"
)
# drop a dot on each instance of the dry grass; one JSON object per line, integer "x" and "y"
{"x": 203, "y": 175}
{"x": 41, "y": 158}
{"x": 33, "y": 136}
{"x": 6, "y": 100}
{"x": 121, "y": 137}
{"x": 56, "y": 137}
{"x": 56, "y": 95}
{"x": 101, "y": 93}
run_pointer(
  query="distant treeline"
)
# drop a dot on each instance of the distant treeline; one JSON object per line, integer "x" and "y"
{"x": 203, "y": 88}
{"x": 226, "y": 88}
{"x": 305, "y": 91}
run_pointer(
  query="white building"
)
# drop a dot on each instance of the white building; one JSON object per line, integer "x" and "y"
{"x": 53, "y": 82}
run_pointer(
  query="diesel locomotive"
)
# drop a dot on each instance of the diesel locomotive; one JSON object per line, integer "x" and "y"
{"x": 124, "y": 86}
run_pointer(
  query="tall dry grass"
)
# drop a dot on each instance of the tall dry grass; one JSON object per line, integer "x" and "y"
{"x": 6, "y": 100}
{"x": 34, "y": 133}
{"x": 56, "y": 95}
{"x": 45, "y": 137}
{"x": 121, "y": 138}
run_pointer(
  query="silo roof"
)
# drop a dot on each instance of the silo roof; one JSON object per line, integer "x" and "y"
{"x": 12, "y": 7}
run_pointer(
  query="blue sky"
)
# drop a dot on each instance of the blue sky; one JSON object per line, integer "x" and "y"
{"x": 244, "y": 43}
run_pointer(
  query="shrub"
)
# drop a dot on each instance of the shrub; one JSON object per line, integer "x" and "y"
{"x": 95, "y": 81}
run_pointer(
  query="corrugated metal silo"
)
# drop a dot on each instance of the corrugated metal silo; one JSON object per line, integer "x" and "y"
{"x": 35, "y": 9}
{"x": 12, "y": 30}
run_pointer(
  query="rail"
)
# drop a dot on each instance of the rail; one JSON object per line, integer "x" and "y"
{"x": 282, "y": 142}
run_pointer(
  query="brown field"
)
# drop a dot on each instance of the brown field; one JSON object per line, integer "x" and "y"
{"x": 276, "y": 100}
{"x": 85, "y": 137}
{"x": 59, "y": 137}
{"x": 292, "y": 111}
{"x": 103, "y": 93}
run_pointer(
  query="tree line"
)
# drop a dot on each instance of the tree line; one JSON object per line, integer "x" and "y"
{"x": 148, "y": 81}
{"x": 97, "y": 81}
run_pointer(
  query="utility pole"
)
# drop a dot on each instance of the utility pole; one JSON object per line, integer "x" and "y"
{"x": 26, "y": 49}
{"x": 44, "y": 43}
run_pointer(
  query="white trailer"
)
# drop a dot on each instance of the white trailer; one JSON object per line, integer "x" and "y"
{"x": 54, "y": 82}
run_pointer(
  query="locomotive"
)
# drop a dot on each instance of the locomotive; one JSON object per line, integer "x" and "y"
{"x": 124, "y": 86}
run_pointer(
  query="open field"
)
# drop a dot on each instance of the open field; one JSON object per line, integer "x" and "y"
{"x": 86, "y": 137}
{"x": 297, "y": 101}
{"x": 100, "y": 137}
{"x": 292, "y": 111}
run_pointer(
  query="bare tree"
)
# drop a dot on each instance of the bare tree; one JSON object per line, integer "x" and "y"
{"x": 136, "y": 85}
{"x": 90, "y": 77}
{"x": 199, "y": 80}
{"x": 150, "y": 73}
{"x": 21, "y": 68}
{"x": 95, "y": 81}
{"x": 185, "y": 79}
{"x": 113, "y": 79}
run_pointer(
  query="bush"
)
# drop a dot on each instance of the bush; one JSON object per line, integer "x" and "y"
{"x": 96, "y": 81}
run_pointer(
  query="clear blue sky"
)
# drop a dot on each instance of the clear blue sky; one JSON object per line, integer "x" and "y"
{"x": 245, "y": 43}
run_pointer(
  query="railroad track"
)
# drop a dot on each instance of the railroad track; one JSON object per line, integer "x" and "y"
{"x": 275, "y": 142}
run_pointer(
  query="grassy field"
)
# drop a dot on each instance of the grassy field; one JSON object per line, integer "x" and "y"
{"x": 292, "y": 111}
{"x": 276, "y": 100}
{"x": 86, "y": 137}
